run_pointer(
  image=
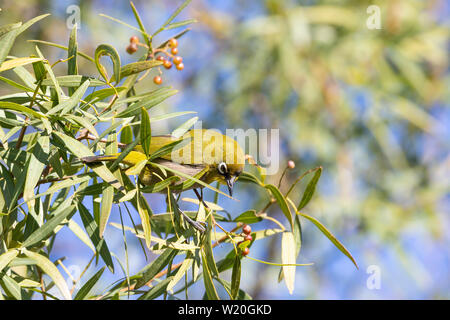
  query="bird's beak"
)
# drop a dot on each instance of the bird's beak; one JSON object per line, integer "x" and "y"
{"x": 230, "y": 183}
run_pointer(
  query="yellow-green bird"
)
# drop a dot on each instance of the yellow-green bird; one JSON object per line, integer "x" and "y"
{"x": 219, "y": 155}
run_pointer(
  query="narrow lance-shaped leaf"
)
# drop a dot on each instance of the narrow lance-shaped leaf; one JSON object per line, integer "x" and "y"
{"x": 7, "y": 257}
{"x": 38, "y": 160}
{"x": 155, "y": 267}
{"x": 105, "y": 49}
{"x": 80, "y": 151}
{"x": 185, "y": 266}
{"x": 288, "y": 257}
{"x": 87, "y": 287}
{"x": 281, "y": 200}
{"x": 330, "y": 236}
{"x": 72, "y": 68}
{"x": 236, "y": 277}
{"x": 64, "y": 210}
{"x": 50, "y": 269}
{"x": 146, "y": 132}
{"x": 144, "y": 214}
{"x": 92, "y": 229}
{"x": 310, "y": 188}
{"x": 210, "y": 289}
{"x": 108, "y": 193}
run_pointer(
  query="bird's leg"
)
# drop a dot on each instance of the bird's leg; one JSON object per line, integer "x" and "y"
{"x": 193, "y": 223}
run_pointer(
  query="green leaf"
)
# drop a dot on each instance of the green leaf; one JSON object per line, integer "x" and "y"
{"x": 74, "y": 81}
{"x": 108, "y": 193}
{"x": 7, "y": 257}
{"x": 13, "y": 63}
{"x": 330, "y": 236}
{"x": 72, "y": 67}
{"x": 38, "y": 161}
{"x": 288, "y": 250}
{"x": 310, "y": 188}
{"x": 173, "y": 16}
{"x": 141, "y": 25}
{"x": 106, "y": 49}
{"x": 92, "y": 230}
{"x": 66, "y": 106}
{"x": 146, "y": 132}
{"x": 81, "y": 234}
{"x": 180, "y": 24}
{"x": 157, "y": 290}
{"x": 126, "y": 135}
{"x": 22, "y": 109}
{"x": 248, "y": 217}
{"x": 65, "y": 210}
{"x": 281, "y": 200}
{"x": 80, "y": 150}
{"x": 11, "y": 287}
{"x": 148, "y": 102}
{"x": 156, "y": 266}
{"x": 210, "y": 289}
{"x": 50, "y": 269}
{"x": 6, "y": 42}
{"x": 144, "y": 213}
{"x": 159, "y": 186}
{"x": 207, "y": 245}
{"x": 136, "y": 67}
{"x": 101, "y": 94}
{"x": 87, "y": 287}
{"x": 63, "y": 47}
{"x": 183, "y": 128}
{"x": 236, "y": 277}
{"x": 185, "y": 266}
{"x": 242, "y": 295}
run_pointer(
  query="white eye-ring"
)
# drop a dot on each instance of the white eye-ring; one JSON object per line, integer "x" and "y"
{"x": 222, "y": 167}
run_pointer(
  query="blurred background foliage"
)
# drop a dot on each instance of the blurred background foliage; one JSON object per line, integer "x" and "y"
{"x": 370, "y": 106}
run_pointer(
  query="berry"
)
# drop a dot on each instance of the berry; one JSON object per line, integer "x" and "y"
{"x": 246, "y": 251}
{"x": 167, "y": 64}
{"x": 134, "y": 39}
{"x": 174, "y": 51}
{"x": 291, "y": 164}
{"x": 132, "y": 48}
{"x": 173, "y": 43}
{"x": 177, "y": 60}
{"x": 247, "y": 229}
{"x": 161, "y": 58}
{"x": 180, "y": 66}
{"x": 248, "y": 238}
{"x": 157, "y": 80}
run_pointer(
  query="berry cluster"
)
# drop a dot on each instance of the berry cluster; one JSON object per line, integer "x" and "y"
{"x": 167, "y": 55}
{"x": 247, "y": 230}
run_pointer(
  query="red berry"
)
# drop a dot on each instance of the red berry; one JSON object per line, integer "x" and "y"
{"x": 134, "y": 39}
{"x": 174, "y": 51}
{"x": 177, "y": 60}
{"x": 180, "y": 66}
{"x": 157, "y": 80}
{"x": 248, "y": 238}
{"x": 167, "y": 64}
{"x": 132, "y": 48}
{"x": 161, "y": 58}
{"x": 173, "y": 43}
{"x": 246, "y": 251}
{"x": 247, "y": 229}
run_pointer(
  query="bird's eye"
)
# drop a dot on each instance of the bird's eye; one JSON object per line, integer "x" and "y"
{"x": 222, "y": 167}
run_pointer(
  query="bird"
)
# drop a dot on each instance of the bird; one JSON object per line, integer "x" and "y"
{"x": 219, "y": 156}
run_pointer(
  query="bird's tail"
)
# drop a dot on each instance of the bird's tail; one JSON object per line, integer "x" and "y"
{"x": 94, "y": 159}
